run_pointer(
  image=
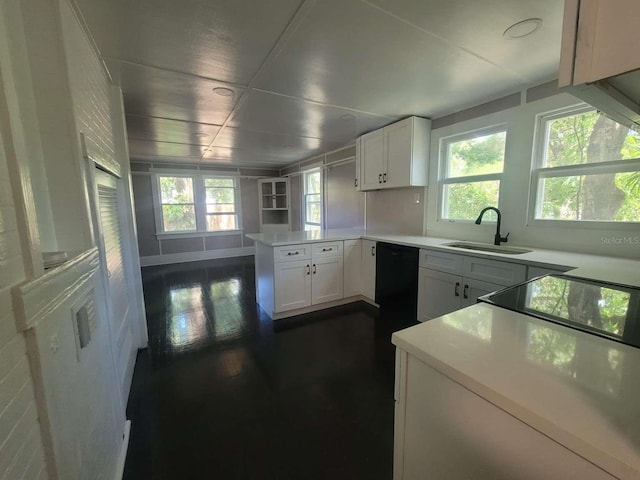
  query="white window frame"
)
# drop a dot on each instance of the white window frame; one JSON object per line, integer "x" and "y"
{"x": 539, "y": 172}
{"x": 199, "y": 192}
{"x": 304, "y": 175}
{"x": 443, "y": 180}
{"x": 236, "y": 202}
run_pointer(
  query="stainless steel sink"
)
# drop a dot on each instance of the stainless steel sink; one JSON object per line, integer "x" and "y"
{"x": 485, "y": 247}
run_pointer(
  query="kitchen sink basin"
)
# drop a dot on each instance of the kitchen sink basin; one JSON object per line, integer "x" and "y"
{"x": 485, "y": 247}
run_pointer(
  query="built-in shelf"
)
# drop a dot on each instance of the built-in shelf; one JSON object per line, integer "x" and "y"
{"x": 274, "y": 205}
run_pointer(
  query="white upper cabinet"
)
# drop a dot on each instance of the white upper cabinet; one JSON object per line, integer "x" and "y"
{"x": 394, "y": 156}
{"x": 599, "y": 40}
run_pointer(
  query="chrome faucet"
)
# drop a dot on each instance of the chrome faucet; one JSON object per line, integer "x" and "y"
{"x": 498, "y": 238}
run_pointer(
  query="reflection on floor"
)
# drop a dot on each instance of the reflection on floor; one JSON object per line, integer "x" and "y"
{"x": 223, "y": 392}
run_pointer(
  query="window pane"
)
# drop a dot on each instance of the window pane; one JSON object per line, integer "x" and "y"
{"x": 603, "y": 197}
{"x": 313, "y": 182}
{"x": 177, "y": 218}
{"x": 476, "y": 156}
{"x": 463, "y": 201}
{"x": 222, "y": 222}
{"x": 220, "y": 195}
{"x": 176, "y": 189}
{"x": 313, "y": 212}
{"x": 220, "y": 207}
{"x": 218, "y": 182}
{"x": 588, "y": 137}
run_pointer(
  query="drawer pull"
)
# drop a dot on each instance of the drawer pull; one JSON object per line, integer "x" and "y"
{"x": 465, "y": 292}
{"x": 314, "y": 269}
{"x": 379, "y": 178}
{"x": 327, "y": 249}
{"x": 384, "y": 178}
{"x": 373, "y": 251}
{"x": 308, "y": 270}
{"x": 293, "y": 253}
{"x": 457, "y": 289}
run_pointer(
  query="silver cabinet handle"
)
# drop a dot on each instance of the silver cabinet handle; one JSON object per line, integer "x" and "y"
{"x": 293, "y": 253}
{"x": 465, "y": 292}
{"x": 457, "y": 289}
{"x": 308, "y": 270}
{"x": 327, "y": 249}
{"x": 314, "y": 269}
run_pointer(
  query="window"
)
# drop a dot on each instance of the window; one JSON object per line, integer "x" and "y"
{"x": 312, "y": 199}
{"x": 588, "y": 168}
{"x": 221, "y": 204}
{"x": 471, "y": 171}
{"x": 177, "y": 204}
{"x": 197, "y": 203}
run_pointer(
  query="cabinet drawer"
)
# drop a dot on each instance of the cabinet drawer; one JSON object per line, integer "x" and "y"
{"x": 328, "y": 249}
{"x": 440, "y": 261}
{"x": 501, "y": 273}
{"x": 290, "y": 253}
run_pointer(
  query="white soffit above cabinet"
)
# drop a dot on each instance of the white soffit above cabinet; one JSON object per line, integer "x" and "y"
{"x": 307, "y": 76}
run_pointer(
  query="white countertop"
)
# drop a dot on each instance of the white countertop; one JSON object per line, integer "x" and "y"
{"x": 579, "y": 389}
{"x": 611, "y": 269}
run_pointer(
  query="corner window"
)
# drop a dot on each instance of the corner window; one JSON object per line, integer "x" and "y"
{"x": 471, "y": 172}
{"x": 312, "y": 199}
{"x": 177, "y": 202}
{"x": 197, "y": 203}
{"x": 587, "y": 169}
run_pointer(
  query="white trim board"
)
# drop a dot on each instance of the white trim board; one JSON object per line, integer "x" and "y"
{"x": 167, "y": 259}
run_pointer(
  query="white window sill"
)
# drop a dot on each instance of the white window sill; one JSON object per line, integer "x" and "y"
{"x": 196, "y": 234}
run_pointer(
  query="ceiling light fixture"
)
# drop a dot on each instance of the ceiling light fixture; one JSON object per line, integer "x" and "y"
{"x": 523, "y": 28}
{"x": 223, "y": 91}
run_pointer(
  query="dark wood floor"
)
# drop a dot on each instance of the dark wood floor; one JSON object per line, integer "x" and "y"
{"x": 223, "y": 392}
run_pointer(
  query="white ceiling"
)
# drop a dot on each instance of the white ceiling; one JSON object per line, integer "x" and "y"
{"x": 307, "y": 76}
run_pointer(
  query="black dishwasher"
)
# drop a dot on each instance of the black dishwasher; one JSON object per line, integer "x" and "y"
{"x": 397, "y": 278}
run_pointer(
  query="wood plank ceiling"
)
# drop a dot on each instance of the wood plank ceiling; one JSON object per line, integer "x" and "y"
{"x": 304, "y": 77}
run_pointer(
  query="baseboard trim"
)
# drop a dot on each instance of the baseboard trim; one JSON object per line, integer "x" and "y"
{"x": 123, "y": 450}
{"x": 170, "y": 258}
{"x": 322, "y": 306}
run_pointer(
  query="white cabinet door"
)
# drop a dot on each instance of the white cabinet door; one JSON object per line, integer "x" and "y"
{"x": 352, "y": 268}
{"x": 326, "y": 281}
{"x": 398, "y": 145}
{"x": 438, "y": 293}
{"x": 472, "y": 289}
{"x": 372, "y": 159}
{"x": 369, "y": 269}
{"x": 292, "y": 282}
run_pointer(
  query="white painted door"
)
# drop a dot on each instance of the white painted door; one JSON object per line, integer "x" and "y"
{"x": 472, "y": 289}
{"x": 326, "y": 279}
{"x": 372, "y": 159}
{"x": 109, "y": 200}
{"x": 398, "y": 154}
{"x": 292, "y": 283}
{"x": 352, "y": 268}
{"x": 438, "y": 293}
{"x": 369, "y": 269}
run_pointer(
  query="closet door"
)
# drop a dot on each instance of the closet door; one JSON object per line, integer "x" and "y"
{"x": 109, "y": 198}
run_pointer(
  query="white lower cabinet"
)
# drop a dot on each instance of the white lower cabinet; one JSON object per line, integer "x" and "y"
{"x": 352, "y": 284}
{"x": 302, "y": 283}
{"x": 369, "y": 269}
{"x": 455, "y": 281}
{"x": 440, "y": 293}
{"x": 292, "y": 285}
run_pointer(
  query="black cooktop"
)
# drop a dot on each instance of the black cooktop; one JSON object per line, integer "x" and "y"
{"x": 601, "y": 308}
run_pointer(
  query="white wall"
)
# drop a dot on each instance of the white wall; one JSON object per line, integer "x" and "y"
{"x": 21, "y": 449}
{"x": 61, "y": 414}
